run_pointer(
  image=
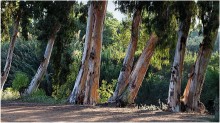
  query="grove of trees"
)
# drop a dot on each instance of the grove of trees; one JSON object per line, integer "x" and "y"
{"x": 80, "y": 53}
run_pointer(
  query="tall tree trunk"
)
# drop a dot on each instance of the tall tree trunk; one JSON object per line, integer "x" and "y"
{"x": 4, "y": 74}
{"x": 129, "y": 58}
{"x": 192, "y": 92}
{"x": 177, "y": 68}
{"x": 86, "y": 86}
{"x": 44, "y": 63}
{"x": 138, "y": 73}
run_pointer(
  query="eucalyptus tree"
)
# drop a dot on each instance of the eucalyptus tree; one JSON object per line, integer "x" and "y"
{"x": 86, "y": 86}
{"x": 158, "y": 17}
{"x": 129, "y": 58}
{"x": 184, "y": 12}
{"x": 209, "y": 14}
{"x": 51, "y": 16}
{"x": 13, "y": 9}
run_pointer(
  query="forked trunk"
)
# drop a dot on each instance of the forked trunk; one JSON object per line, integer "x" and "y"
{"x": 86, "y": 86}
{"x": 129, "y": 58}
{"x": 177, "y": 68}
{"x": 138, "y": 73}
{"x": 4, "y": 74}
{"x": 192, "y": 92}
{"x": 44, "y": 63}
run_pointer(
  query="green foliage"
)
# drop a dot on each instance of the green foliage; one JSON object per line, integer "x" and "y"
{"x": 10, "y": 94}
{"x": 154, "y": 87}
{"x": 67, "y": 69}
{"x": 9, "y": 11}
{"x": 211, "y": 85}
{"x": 39, "y": 96}
{"x": 68, "y": 48}
{"x": 194, "y": 39}
{"x": 106, "y": 90}
{"x": 26, "y": 59}
{"x": 111, "y": 30}
{"x": 110, "y": 65}
{"x": 20, "y": 82}
{"x": 52, "y": 13}
{"x": 160, "y": 58}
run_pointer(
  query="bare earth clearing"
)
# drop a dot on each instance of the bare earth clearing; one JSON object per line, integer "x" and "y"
{"x": 12, "y": 111}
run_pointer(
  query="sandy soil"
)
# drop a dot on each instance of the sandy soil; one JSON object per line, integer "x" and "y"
{"x": 31, "y": 112}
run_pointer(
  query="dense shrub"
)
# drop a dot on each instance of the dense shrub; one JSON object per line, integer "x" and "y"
{"x": 20, "y": 82}
{"x": 106, "y": 90}
{"x": 9, "y": 94}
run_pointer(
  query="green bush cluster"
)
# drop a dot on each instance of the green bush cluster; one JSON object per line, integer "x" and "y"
{"x": 106, "y": 90}
{"x": 9, "y": 94}
{"x": 20, "y": 82}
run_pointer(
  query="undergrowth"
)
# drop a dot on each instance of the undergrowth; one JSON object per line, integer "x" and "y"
{"x": 39, "y": 96}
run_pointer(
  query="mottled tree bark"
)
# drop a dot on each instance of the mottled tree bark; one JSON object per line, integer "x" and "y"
{"x": 4, "y": 74}
{"x": 129, "y": 58}
{"x": 192, "y": 92}
{"x": 138, "y": 73}
{"x": 44, "y": 63}
{"x": 86, "y": 86}
{"x": 177, "y": 68}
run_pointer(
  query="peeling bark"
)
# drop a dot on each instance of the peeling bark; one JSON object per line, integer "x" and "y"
{"x": 177, "y": 68}
{"x": 4, "y": 74}
{"x": 192, "y": 92}
{"x": 44, "y": 63}
{"x": 138, "y": 73}
{"x": 129, "y": 58}
{"x": 85, "y": 90}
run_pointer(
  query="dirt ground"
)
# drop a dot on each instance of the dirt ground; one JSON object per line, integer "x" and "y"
{"x": 12, "y": 111}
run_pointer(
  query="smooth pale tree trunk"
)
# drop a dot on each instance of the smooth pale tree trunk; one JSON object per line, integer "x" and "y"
{"x": 177, "y": 68}
{"x": 138, "y": 73}
{"x": 4, "y": 74}
{"x": 129, "y": 58}
{"x": 192, "y": 92}
{"x": 86, "y": 86}
{"x": 44, "y": 63}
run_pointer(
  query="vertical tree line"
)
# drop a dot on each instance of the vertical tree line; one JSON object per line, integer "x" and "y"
{"x": 54, "y": 24}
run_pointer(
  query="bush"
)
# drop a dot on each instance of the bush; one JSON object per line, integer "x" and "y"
{"x": 106, "y": 90}
{"x": 63, "y": 91}
{"x": 10, "y": 94}
{"x": 39, "y": 96}
{"x": 20, "y": 82}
